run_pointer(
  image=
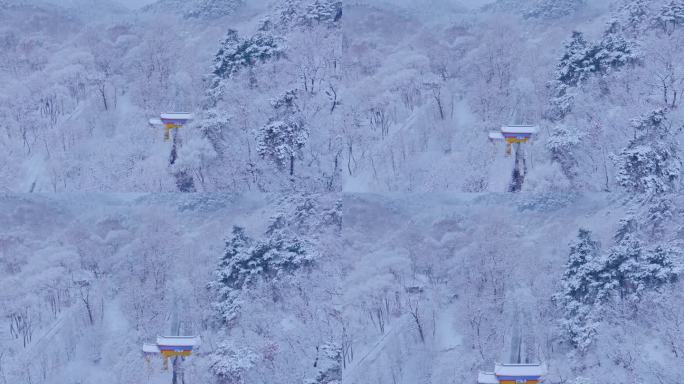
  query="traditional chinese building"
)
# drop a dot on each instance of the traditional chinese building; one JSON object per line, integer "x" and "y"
{"x": 513, "y": 374}
{"x": 171, "y": 346}
{"x": 171, "y": 121}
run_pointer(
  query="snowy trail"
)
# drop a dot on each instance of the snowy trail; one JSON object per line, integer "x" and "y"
{"x": 501, "y": 170}
{"x": 445, "y": 346}
{"x": 447, "y": 341}
{"x": 350, "y": 374}
{"x": 46, "y": 336}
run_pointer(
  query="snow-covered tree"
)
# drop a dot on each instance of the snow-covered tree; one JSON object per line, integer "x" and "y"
{"x": 230, "y": 362}
{"x": 578, "y": 292}
{"x": 659, "y": 267}
{"x": 245, "y": 262}
{"x": 283, "y": 137}
{"x": 274, "y": 257}
{"x": 228, "y": 282}
{"x": 670, "y": 17}
{"x": 213, "y": 8}
{"x": 650, "y": 164}
{"x": 622, "y": 266}
{"x": 626, "y": 226}
{"x": 580, "y": 275}
{"x": 306, "y": 215}
{"x": 288, "y": 11}
{"x": 627, "y": 271}
{"x": 659, "y": 214}
{"x": 554, "y": 9}
{"x": 323, "y": 12}
{"x": 582, "y": 59}
{"x": 569, "y": 72}
{"x": 635, "y": 15}
{"x": 328, "y": 365}
{"x": 631, "y": 269}
{"x": 237, "y": 53}
{"x": 615, "y": 50}
{"x": 194, "y": 159}
{"x": 214, "y": 127}
{"x": 298, "y": 13}
{"x": 196, "y": 9}
{"x": 562, "y": 143}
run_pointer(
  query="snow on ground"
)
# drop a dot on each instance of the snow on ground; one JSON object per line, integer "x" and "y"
{"x": 465, "y": 271}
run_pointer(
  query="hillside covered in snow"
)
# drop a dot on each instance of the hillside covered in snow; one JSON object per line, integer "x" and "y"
{"x": 341, "y": 191}
{"x": 323, "y": 95}
{"x": 341, "y": 288}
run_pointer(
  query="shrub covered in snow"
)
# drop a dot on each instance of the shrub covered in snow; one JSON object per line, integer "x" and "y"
{"x": 230, "y": 362}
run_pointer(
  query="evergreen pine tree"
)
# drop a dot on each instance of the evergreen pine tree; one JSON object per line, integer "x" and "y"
{"x": 580, "y": 273}
{"x": 627, "y": 225}
{"x": 569, "y": 72}
{"x": 630, "y": 269}
{"x": 659, "y": 267}
{"x": 245, "y": 262}
{"x": 571, "y": 69}
{"x": 323, "y": 12}
{"x": 650, "y": 164}
{"x": 582, "y": 59}
{"x": 614, "y": 50}
{"x": 289, "y": 11}
{"x": 228, "y": 279}
{"x": 659, "y": 213}
{"x": 236, "y": 53}
{"x": 621, "y": 267}
{"x": 635, "y": 16}
{"x": 283, "y": 137}
{"x": 670, "y": 17}
{"x": 578, "y": 293}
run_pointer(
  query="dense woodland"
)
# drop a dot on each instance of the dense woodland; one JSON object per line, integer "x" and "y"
{"x": 330, "y": 289}
{"x": 351, "y": 221}
{"x": 323, "y": 96}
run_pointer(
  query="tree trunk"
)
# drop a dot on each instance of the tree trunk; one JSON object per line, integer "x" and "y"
{"x": 103, "y": 93}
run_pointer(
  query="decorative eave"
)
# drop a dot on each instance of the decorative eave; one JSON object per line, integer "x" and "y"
{"x": 487, "y": 378}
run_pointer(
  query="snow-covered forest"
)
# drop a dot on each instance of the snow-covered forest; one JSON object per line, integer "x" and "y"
{"x": 355, "y": 289}
{"x": 88, "y": 278}
{"x": 323, "y": 95}
{"x": 341, "y": 191}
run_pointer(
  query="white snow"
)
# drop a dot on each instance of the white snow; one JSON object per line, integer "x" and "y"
{"x": 514, "y": 129}
{"x": 150, "y": 348}
{"x": 487, "y": 378}
{"x": 177, "y": 116}
{"x": 178, "y": 341}
{"x": 520, "y": 370}
{"x": 495, "y": 136}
